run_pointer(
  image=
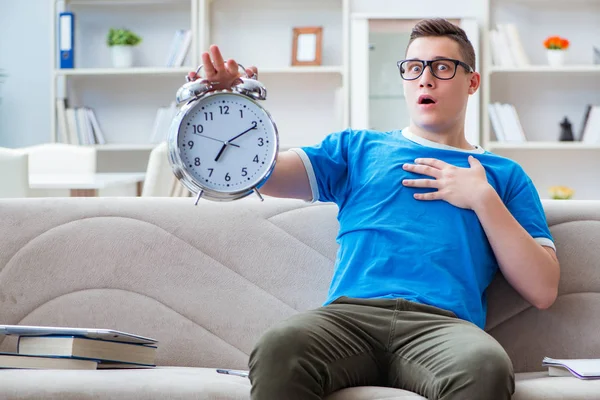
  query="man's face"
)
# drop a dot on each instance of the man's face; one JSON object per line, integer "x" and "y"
{"x": 447, "y": 98}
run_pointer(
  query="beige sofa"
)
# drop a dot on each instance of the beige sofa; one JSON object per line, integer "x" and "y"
{"x": 207, "y": 281}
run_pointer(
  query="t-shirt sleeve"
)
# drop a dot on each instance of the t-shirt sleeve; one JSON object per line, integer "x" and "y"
{"x": 327, "y": 167}
{"x": 525, "y": 205}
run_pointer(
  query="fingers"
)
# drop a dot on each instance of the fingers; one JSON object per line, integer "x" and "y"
{"x": 439, "y": 164}
{"x": 252, "y": 71}
{"x": 474, "y": 162}
{"x": 208, "y": 65}
{"x": 422, "y": 183}
{"x": 232, "y": 67}
{"x": 428, "y": 196}
{"x": 423, "y": 170}
{"x": 216, "y": 56}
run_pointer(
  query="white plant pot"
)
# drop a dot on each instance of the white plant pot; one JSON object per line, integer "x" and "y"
{"x": 122, "y": 56}
{"x": 556, "y": 58}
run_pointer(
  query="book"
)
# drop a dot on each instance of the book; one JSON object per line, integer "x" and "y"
{"x": 108, "y": 334}
{"x": 87, "y": 348}
{"x": 580, "y": 368}
{"x": 235, "y": 372}
{"x": 22, "y": 361}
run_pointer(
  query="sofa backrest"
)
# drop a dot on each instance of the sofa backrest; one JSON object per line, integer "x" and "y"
{"x": 207, "y": 281}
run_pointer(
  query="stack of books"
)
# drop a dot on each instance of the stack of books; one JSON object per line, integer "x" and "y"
{"x": 506, "y": 123}
{"x": 43, "y": 347}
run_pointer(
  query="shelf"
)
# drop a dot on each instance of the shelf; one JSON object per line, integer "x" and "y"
{"x": 591, "y": 69}
{"x": 125, "y": 147}
{"x": 542, "y": 146}
{"x": 185, "y": 70}
{"x": 123, "y": 71}
{"x": 386, "y": 97}
{"x": 317, "y": 69}
{"x": 120, "y": 2}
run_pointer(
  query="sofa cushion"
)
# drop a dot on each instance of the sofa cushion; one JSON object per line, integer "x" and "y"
{"x": 206, "y": 384}
{"x": 538, "y": 385}
{"x": 158, "y": 383}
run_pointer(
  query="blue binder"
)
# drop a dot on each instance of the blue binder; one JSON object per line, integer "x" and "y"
{"x": 66, "y": 39}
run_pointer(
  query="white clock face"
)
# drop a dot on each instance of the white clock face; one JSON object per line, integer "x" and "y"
{"x": 227, "y": 142}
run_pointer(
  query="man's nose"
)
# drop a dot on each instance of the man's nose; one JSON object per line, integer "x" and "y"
{"x": 427, "y": 78}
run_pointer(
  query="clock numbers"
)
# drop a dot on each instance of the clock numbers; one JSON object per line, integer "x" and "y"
{"x": 198, "y": 129}
{"x": 226, "y": 145}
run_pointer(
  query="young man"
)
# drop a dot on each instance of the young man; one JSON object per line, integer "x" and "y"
{"x": 426, "y": 219}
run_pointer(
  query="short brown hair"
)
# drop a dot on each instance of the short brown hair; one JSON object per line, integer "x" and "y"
{"x": 443, "y": 27}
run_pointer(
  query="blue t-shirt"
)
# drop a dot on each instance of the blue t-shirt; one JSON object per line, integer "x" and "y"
{"x": 392, "y": 245}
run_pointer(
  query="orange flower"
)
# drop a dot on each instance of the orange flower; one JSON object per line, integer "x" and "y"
{"x": 556, "y": 43}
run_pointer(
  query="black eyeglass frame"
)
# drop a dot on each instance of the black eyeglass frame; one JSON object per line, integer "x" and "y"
{"x": 429, "y": 63}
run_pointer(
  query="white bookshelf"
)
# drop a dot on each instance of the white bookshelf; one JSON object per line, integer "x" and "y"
{"x": 543, "y": 95}
{"x": 167, "y": 71}
{"x": 306, "y": 102}
{"x": 545, "y": 69}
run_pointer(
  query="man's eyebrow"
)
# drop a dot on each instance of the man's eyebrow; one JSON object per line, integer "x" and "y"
{"x": 438, "y": 57}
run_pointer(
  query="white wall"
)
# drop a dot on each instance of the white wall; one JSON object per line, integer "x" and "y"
{"x": 25, "y": 53}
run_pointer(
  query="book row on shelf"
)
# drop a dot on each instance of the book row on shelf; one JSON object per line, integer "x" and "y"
{"x": 179, "y": 48}
{"x": 506, "y": 46}
{"x": 507, "y": 125}
{"x": 78, "y": 125}
{"x": 590, "y": 131}
{"x": 505, "y": 122}
{"x": 162, "y": 121}
{"x": 63, "y": 350}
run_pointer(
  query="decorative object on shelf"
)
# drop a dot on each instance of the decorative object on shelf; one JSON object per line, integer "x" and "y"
{"x": 561, "y": 192}
{"x": 223, "y": 145}
{"x": 307, "y": 46}
{"x": 556, "y": 47}
{"x": 121, "y": 42}
{"x": 566, "y": 131}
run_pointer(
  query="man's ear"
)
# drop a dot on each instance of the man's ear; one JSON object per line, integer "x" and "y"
{"x": 474, "y": 82}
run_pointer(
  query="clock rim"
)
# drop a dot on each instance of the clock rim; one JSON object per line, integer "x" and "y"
{"x": 181, "y": 171}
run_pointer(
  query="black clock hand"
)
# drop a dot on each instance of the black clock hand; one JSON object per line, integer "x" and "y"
{"x": 243, "y": 133}
{"x": 221, "y": 152}
{"x": 218, "y": 140}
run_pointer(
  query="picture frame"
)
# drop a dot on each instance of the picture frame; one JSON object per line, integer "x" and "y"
{"x": 307, "y": 45}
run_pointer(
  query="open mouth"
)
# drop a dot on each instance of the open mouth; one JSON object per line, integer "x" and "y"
{"x": 426, "y": 99}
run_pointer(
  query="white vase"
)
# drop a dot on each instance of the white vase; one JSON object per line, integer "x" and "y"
{"x": 122, "y": 56}
{"x": 556, "y": 58}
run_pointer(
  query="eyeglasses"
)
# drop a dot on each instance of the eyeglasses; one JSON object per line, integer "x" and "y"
{"x": 441, "y": 68}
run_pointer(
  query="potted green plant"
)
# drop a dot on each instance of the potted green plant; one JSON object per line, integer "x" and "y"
{"x": 121, "y": 42}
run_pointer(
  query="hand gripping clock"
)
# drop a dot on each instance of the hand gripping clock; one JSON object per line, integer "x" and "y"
{"x": 223, "y": 144}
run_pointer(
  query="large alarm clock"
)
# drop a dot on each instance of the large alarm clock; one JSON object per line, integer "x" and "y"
{"x": 223, "y": 144}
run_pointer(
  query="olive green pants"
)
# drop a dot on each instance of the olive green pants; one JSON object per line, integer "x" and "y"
{"x": 379, "y": 342}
